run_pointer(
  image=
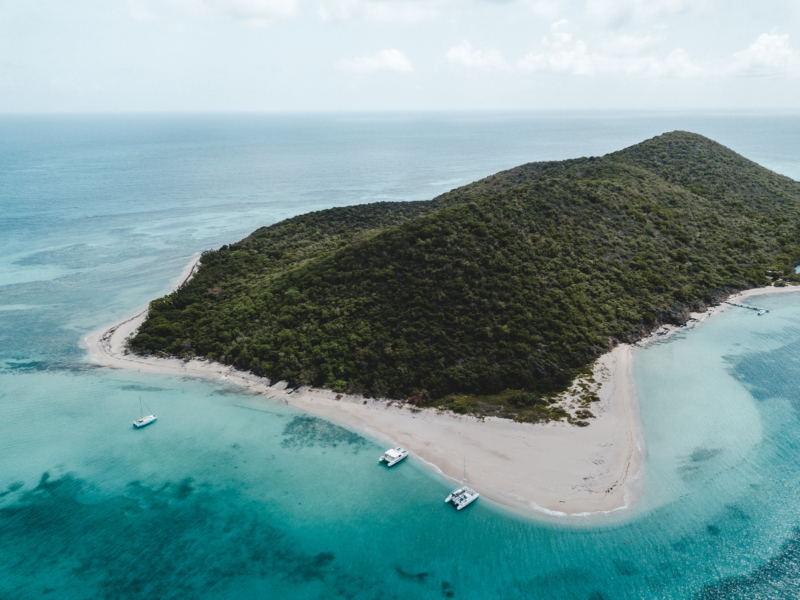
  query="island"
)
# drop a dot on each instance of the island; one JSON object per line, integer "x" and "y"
{"x": 493, "y": 321}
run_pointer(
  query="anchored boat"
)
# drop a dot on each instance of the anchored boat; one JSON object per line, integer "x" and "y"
{"x": 144, "y": 420}
{"x": 463, "y": 496}
{"x": 393, "y": 456}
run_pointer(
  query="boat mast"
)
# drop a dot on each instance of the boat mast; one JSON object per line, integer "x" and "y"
{"x": 465, "y": 470}
{"x": 142, "y": 405}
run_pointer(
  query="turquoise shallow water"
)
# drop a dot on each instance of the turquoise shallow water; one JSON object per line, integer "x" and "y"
{"x": 231, "y": 496}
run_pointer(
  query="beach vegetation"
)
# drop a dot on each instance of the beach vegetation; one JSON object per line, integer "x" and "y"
{"x": 492, "y": 298}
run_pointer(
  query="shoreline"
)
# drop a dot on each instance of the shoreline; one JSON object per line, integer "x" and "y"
{"x": 666, "y": 331}
{"x": 106, "y": 341}
{"x": 552, "y": 469}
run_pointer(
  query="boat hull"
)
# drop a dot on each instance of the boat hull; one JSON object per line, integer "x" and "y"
{"x": 462, "y": 497}
{"x": 468, "y": 502}
{"x": 144, "y": 421}
{"x": 391, "y": 463}
{"x": 392, "y": 457}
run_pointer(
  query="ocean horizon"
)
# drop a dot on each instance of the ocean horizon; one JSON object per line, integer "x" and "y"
{"x": 230, "y": 495}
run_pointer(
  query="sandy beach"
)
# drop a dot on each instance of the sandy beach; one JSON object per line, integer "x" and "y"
{"x": 554, "y": 468}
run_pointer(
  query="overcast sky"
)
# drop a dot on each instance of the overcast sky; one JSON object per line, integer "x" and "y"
{"x": 263, "y": 55}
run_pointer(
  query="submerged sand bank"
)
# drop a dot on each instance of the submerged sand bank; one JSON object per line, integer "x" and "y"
{"x": 555, "y": 468}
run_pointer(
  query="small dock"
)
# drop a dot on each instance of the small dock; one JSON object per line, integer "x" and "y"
{"x": 760, "y": 311}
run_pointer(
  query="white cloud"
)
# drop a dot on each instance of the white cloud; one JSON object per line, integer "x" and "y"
{"x": 771, "y": 55}
{"x": 416, "y": 11}
{"x": 678, "y": 64}
{"x": 634, "y": 44}
{"x": 465, "y": 55}
{"x": 546, "y": 9}
{"x": 616, "y": 13}
{"x": 384, "y": 60}
{"x": 559, "y": 54}
{"x": 402, "y": 11}
{"x": 256, "y": 13}
{"x": 140, "y": 11}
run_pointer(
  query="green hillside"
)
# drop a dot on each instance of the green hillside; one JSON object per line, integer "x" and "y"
{"x": 493, "y": 297}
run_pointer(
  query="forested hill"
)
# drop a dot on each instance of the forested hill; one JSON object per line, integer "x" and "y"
{"x": 502, "y": 290}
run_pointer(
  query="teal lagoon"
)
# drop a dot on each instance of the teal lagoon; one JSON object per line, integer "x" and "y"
{"x": 230, "y": 495}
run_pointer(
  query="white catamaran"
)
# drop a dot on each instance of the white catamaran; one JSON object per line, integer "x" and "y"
{"x": 393, "y": 456}
{"x": 463, "y": 496}
{"x": 144, "y": 420}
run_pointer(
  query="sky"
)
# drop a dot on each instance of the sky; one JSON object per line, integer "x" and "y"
{"x": 381, "y": 55}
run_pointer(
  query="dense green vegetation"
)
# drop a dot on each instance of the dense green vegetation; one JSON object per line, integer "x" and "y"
{"x": 495, "y": 296}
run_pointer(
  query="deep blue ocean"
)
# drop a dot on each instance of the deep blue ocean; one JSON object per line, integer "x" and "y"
{"x": 231, "y": 495}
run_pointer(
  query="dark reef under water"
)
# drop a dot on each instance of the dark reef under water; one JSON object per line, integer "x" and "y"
{"x": 154, "y": 541}
{"x": 306, "y": 431}
{"x": 779, "y": 578}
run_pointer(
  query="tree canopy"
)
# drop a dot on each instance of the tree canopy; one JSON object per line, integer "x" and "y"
{"x": 505, "y": 289}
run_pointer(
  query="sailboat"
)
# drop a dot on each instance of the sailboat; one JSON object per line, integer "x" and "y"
{"x": 144, "y": 420}
{"x": 463, "y": 496}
